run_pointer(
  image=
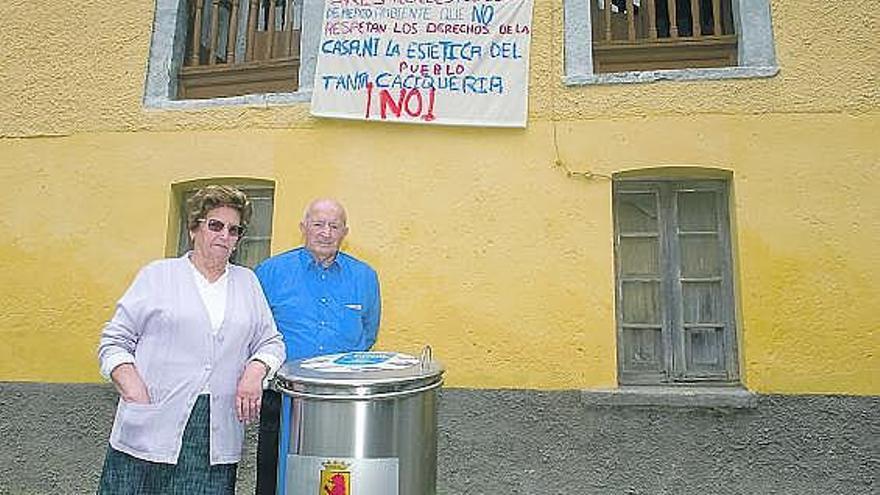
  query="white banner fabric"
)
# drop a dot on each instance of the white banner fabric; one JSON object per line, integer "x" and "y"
{"x": 449, "y": 62}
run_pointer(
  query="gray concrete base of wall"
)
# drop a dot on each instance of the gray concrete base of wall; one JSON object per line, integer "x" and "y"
{"x": 53, "y": 438}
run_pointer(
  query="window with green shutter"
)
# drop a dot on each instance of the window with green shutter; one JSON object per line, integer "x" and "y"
{"x": 675, "y": 303}
{"x": 254, "y": 246}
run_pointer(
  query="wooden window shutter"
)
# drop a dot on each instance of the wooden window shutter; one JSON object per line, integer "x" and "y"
{"x": 674, "y": 285}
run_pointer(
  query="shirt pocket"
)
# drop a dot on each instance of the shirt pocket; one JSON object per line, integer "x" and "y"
{"x": 139, "y": 425}
{"x": 351, "y": 323}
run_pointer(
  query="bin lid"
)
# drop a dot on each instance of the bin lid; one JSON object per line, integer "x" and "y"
{"x": 359, "y": 369}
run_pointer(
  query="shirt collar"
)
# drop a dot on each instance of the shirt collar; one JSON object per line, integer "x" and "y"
{"x": 308, "y": 261}
{"x": 201, "y": 281}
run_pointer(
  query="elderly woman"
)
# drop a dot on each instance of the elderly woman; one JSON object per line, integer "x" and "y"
{"x": 188, "y": 348}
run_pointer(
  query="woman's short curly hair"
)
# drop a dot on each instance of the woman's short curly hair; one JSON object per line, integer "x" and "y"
{"x": 211, "y": 197}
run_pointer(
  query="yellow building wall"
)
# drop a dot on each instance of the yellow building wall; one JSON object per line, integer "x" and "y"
{"x": 485, "y": 249}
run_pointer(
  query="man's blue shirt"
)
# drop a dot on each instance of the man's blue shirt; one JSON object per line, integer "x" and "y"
{"x": 321, "y": 310}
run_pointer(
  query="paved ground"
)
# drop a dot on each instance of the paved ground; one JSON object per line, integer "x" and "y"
{"x": 520, "y": 442}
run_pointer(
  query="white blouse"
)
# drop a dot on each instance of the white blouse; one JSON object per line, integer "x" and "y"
{"x": 213, "y": 295}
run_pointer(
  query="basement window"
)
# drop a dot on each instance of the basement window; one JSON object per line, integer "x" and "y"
{"x": 254, "y": 247}
{"x": 674, "y": 283}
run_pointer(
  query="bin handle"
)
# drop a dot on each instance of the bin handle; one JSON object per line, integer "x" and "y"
{"x": 427, "y": 357}
{"x": 386, "y": 395}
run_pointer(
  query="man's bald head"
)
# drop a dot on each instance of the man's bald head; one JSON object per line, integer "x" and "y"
{"x": 324, "y": 226}
{"x": 325, "y": 204}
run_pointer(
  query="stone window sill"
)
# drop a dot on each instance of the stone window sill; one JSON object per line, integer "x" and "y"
{"x": 634, "y": 77}
{"x": 680, "y": 396}
{"x": 261, "y": 100}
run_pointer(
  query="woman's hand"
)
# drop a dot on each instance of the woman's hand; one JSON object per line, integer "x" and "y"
{"x": 250, "y": 391}
{"x": 129, "y": 384}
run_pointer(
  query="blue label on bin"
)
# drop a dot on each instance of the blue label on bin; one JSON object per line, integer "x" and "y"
{"x": 363, "y": 358}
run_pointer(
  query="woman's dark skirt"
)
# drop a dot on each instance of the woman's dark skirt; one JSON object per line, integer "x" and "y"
{"x": 192, "y": 475}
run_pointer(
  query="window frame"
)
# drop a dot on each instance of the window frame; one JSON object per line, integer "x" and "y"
{"x": 756, "y": 56}
{"x": 167, "y": 52}
{"x": 673, "y": 336}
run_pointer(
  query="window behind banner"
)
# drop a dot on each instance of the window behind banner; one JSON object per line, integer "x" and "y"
{"x": 238, "y": 47}
{"x": 639, "y": 41}
{"x": 636, "y": 35}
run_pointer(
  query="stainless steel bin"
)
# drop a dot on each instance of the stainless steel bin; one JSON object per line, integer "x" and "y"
{"x": 360, "y": 423}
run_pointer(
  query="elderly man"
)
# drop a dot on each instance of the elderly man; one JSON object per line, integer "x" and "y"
{"x": 324, "y": 301}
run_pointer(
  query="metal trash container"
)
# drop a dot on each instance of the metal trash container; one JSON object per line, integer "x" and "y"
{"x": 359, "y": 423}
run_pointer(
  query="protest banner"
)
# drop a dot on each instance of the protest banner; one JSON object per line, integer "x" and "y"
{"x": 451, "y": 62}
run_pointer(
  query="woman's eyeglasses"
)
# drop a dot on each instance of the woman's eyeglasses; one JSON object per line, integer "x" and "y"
{"x": 215, "y": 225}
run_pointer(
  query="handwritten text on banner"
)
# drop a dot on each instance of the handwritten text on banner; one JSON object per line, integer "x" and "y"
{"x": 454, "y": 62}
